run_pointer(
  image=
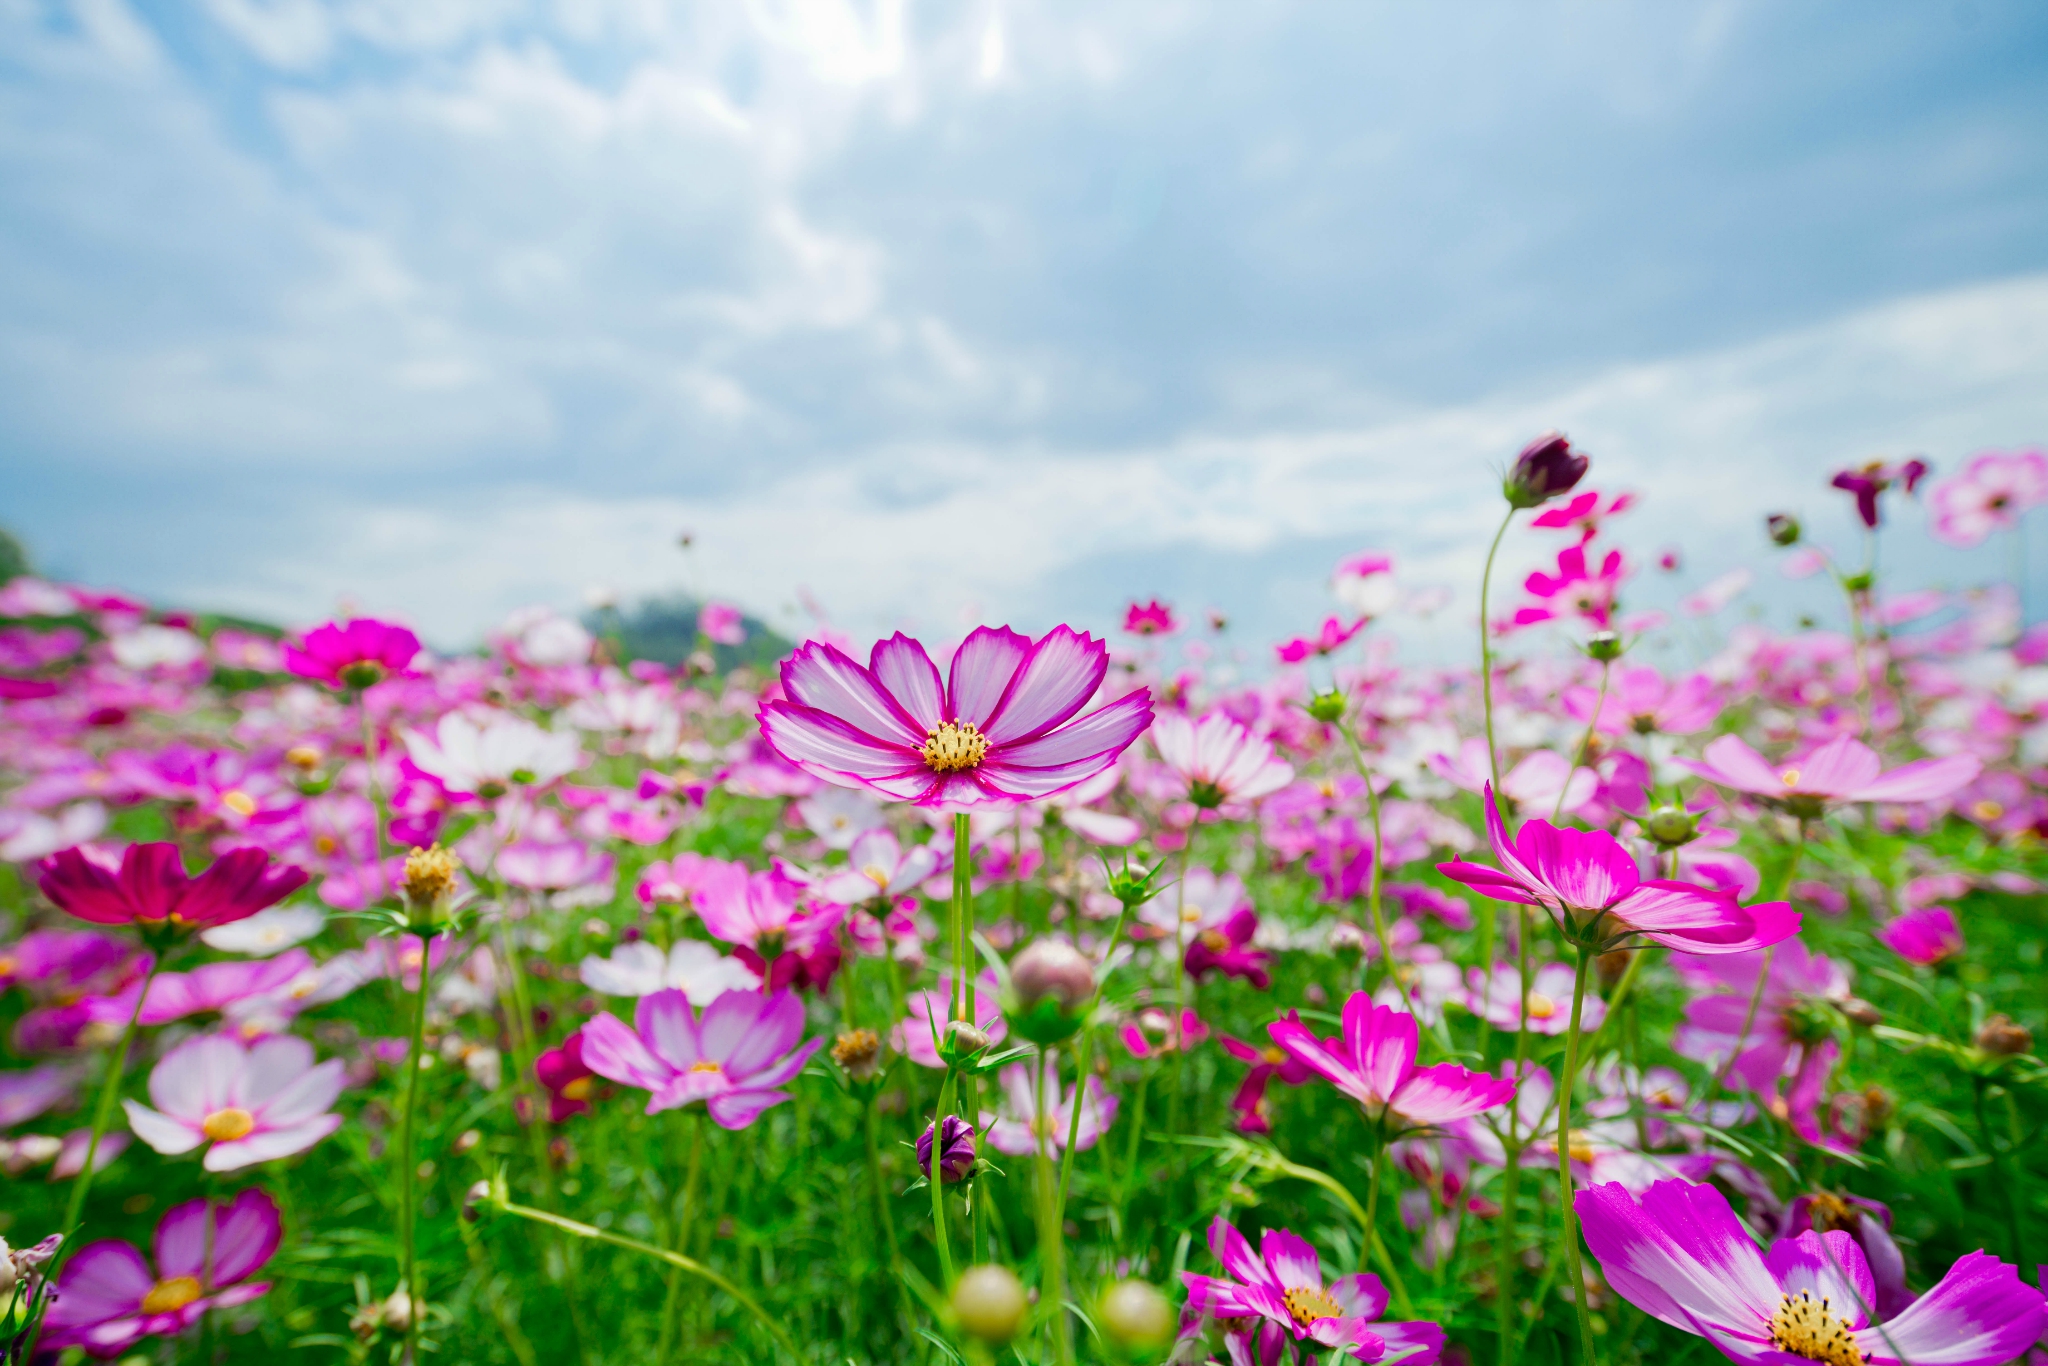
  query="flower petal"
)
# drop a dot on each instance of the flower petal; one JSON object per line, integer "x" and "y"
{"x": 903, "y": 668}
{"x": 1055, "y": 681}
{"x": 823, "y": 678}
{"x": 613, "y": 1051}
{"x": 266, "y": 1144}
{"x": 981, "y": 672}
{"x": 1979, "y": 1314}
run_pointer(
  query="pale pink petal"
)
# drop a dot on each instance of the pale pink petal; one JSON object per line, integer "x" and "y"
{"x": 161, "y": 1132}
{"x": 738, "y": 1109}
{"x": 1924, "y": 780}
{"x": 823, "y": 745}
{"x": 1732, "y": 763}
{"x": 741, "y": 1030}
{"x": 1362, "y": 1295}
{"x": 198, "y": 1077}
{"x": 1056, "y": 680}
{"x": 822, "y": 678}
{"x": 900, "y": 665}
{"x": 1236, "y": 1255}
{"x": 1107, "y": 731}
{"x": 982, "y": 669}
{"x": 272, "y": 1065}
{"x": 246, "y": 1235}
{"x": 104, "y": 1281}
{"x": 310, "y": 1096}
{"x": 266, "y": 1144}
{"x": 664, "y": 1020}
{"x": 1979, "y": 1312}
{"x": 1292, "y": 1262}
{"x": 1681, "y": 1256}
{"x": 614, "y": 1051}
{"x": 1839, "y": 767}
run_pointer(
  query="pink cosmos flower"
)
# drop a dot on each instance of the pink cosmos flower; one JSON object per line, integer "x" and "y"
{"x": 1373, "y": 1062}
{"x": 487, "y": 753}
{"x": 1216, "y": 760}
{"x": 1639, "y": 700}
{"x": 733, "y": 1057}
{"x": 108, "y": 1299}
{"x": 1022, "y": 1124}
{"x": 913, "y": 1037}
{"x": 212, "y": 987}
{"x": 1925, "y": 936}
{"x": 1332, "y": 637}
{"x": 1283, "y": 1287}
{"x": 877, "y": 866}
{"x": 1153, "y": 1033}
{"x": 1268, "y": 1063}
{"x": 1003, "y": 726}
{"x": 782, "y": 938}
{"x": 1584, "y": 514}
{"x": 1534, "y": 784}
{"x": 1364, "y": 583}
{"x": 1794, "y": 1010}
{"x": 566, "y": 1078}
{"x": 353, "y": 654}
{"x": 1680, "y": 1255}
{"x": 1867, "y": 482}
{"x": 721, "y": 624}
{"x": 1227, "y": 949}
{"x": 252, "y": 1104}
{"x": 1496, "y": 998}
{"x": 24, "y": 1095}
{"x": 1574, "y": 590}
{"x": 1152, "y": 618}
{"x": 150, "y": 886}
{"x": 1842, "y": 770}
{"x": 690, "y": 966}
{"x": 1991, "y": 494}
{"x": 1590, "y": 885}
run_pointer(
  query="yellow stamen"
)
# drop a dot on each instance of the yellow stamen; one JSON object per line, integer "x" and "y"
{"x": 1807, "y": 1327}
{"x": 705, "y": 1065}
{"x": 225, "y": 1126}
{"x": 238, "y": 801}
{"x": 876, "y": 875}
{"x": 578, "y": 1089}
{"x": 955, "y": 747}
{"x": 1790, "y": 777}
{"x": 1274, "y": 1056}
{"x": 1541, "y": 1007}
{"x": 1309, "y": 1303}
{"x": 1216, "y": 940}
{"x": 173, "y": 1294}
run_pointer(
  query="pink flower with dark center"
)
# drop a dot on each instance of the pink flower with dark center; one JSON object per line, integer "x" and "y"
{"x": 1925, "y": 936}
{"x": 1004, "y": 726}
{"x": 1842, "y": 770}
{"x": 732, "y": 1058}
{"x": 566, "y": 1078}
{"x": 1591, "y": 886}
{"x": 354, "y": 654}
{"x": 1153, "y": 1033}
{"x": 1373, "y": 1062}
{"x": 782, "y": 938}
{"x": 1868, "y": 481}
{"x": 149, "y": 886}
{"x": 1283, "y": 1286}
{"x": 1640, "y": 701}
{"x": 252, "y": 1104}
{"x": 1216, "y": 760}
{"x": 1795, "y": 1010}
{"x": 108, "y": 1298}
{"x": 1584, "y": 514}
{"x": 1227, "y": 948}
{"x": 721, "y": 624}
{"x": 1152, "y": 618}
{"x": 1680, "y": 1255}
{"x": 1332, "y": 637}
{"x": 1991, "y": 494}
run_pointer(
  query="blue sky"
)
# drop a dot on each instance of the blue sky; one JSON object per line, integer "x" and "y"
{"x": 995, "y": 309}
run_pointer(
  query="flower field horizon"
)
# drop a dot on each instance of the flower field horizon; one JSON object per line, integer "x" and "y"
{"x": 1047, "y": 998}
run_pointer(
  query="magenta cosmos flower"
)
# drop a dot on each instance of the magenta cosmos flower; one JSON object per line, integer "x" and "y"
{"x": 1333, "y": 636}
{"x": 1590, "y": 884}
{"x": 1283, "y": 1287}
{"x": 353, "y": 654}
{"x": 1867, "y": 482}
{"x": 1373, "y": 1062}
{"x": 252, "y": 1104}
{"x": 732, "y": 1058}
{"x": 1023, "y": 1124}
{"x": 108, "y": 1298}
{"x": 1842, "y": 770}
{"x": 1682, "y": 1256}
{"x": 1216, "y": 760}
{"x": 1925, "y": 936}
{"x": 1152, "y": 618}
{"x": 1991, "y": 494}
{"x": 150, "y": 886}
{"x": 1002, "y": 727}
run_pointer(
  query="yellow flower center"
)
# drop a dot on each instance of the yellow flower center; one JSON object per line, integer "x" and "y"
{"x": 1274, "y": 1056}
{"x": 1790, "y": 777}
{"x": 1541, "y": 1007}
{"x": 877, "y": 875}
{"x": 1987, "y": 810}
{"x": 225, "y": 1126}
{"x": 578, "y": 1089}
{"x": 1216, "y": 940}
{"x": 705, "y": 1065}
{"x": 238, "y": 801}
{"x": 302, "y": 756}
{"x": 1807, "y": 1327}
{"x": 325, "y": 844}
{"x": 955, "y": 747}
{"x": 1309, "y": 1303}
{"x": 175, "y": 1293}
{"x": 9, "y": 966}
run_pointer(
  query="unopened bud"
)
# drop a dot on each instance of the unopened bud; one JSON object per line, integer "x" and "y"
{"x": 1783, "y": 528}
{"x": 1671, "y": 826}
{"x": 397, "y": 1314}
{"x": 956, "y": 1155}
{"x": 1135, "y": 1314}
{"x": 1327, "y": 707}
{"x": 2003, "y": 1037}
{"x": 1347, "y": 940}
{"x": 364, "y": 673}
{"x": 1856, "y": 1010}
{"x": 429, "y": 876}
{"x": 467, "y": 1140}
{"x": 1604, "y": 646}
{"x": 960, "y": 1040}
{"x": 859, "y": 1054}
{"x": 474, "y": 1199}
{"x": 1547, "y": 467}
{"x": 1051, "y": 983}
{"x": 989, "y": 1302}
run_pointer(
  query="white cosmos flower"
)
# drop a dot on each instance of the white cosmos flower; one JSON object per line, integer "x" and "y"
{"x": 695, "y": 968}
{"x": 487, "y": 753}
{"x": 267, "y": 932}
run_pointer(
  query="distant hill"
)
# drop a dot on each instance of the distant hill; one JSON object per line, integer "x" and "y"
{"x": 665, "y": 631}
{"x": 13, "y": 557}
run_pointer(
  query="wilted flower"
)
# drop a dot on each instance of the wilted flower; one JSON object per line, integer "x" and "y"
{"x": 858, "y": 1053}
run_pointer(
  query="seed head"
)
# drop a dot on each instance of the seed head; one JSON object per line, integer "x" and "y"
{"x": 429, "y": 876}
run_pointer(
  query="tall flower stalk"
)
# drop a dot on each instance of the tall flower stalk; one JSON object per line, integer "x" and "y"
{"x": 429, "y": 881}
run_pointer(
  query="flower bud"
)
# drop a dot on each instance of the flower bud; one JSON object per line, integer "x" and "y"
{"x": 959, "y": 1041}
{"x": 1604, "y": 646}
{"x": 956, "y": 1158}
{"x": 429, "y": 876}
{"x": 1671, "y": 826}
{"x": 1547, "y": 467}
{"x": 1856, "y": 1010}
{"x": 397, "y": 1315}
{"x": 2002, "y": 1037}
{"x": 474, "y": 1199}
{"x": 989, "y": 1302}
{"x": 1051, "y": 984}
{"x": 1135, "y": 1314}
{"x": 1347, "y": 940}
{"x": 1328, "y": 708}
{"x": 8, "y": 1275}
{"x": 1783, "y": 528}
{"x": 858, "y": 1053}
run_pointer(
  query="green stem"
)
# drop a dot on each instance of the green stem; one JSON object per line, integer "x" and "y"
{"x": 1614, "y": 1002}
{"x": 676, "y": 1259}
{"x": 937, "y": 1181}
{"x": 884, "y": 1220}
{"x": 681, "y": 1216}
{"x": 1505, "y": 1249}
{"x": 1052, "y": 1247}
{"x": 1564, "y": 1157}
{"x": 1585, "y": 742}
{"x": 408, "y": 1166}
{"x": 1087, "y": 1050}
{"x": 1486, "y": 653}
{"x": 1372, "y": 894}
{"x": 2010, "y": 1172}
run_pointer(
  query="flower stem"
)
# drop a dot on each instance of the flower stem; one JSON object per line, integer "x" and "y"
{"x": 938, "y": 1182}
{"x": 1052, "y": 1247}
{"x": 884, "y": 1220}
{"x": 1505, "y": 1250}
{"x": 1372, "y": 892}
{"x": 681, "y": 1216}
{"x": 675, "y": 1259}
{"x": 1564, "y": 1157}
{"x": 1087, "y": 1049}
{"x": 1580, "y": 754}
{"x": 408, "y": 1170}
{"x": 1486, "y": 652}
{"x": 2011, "y": 1170}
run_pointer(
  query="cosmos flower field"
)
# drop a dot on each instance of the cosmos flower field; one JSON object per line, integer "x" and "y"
{"x": 1640, "y": 989}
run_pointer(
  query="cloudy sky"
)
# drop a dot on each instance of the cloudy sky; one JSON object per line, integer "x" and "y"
{"x": 997, "y": 309}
